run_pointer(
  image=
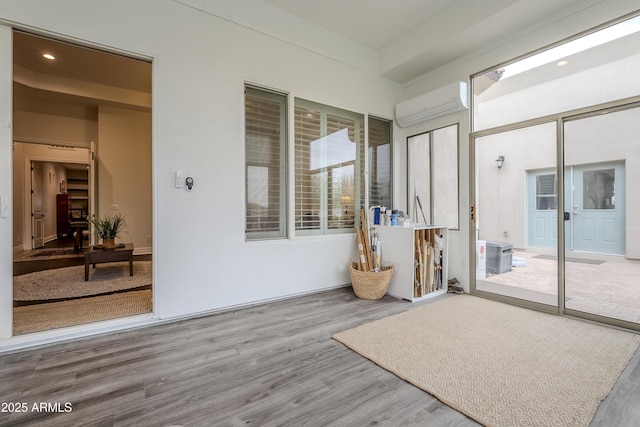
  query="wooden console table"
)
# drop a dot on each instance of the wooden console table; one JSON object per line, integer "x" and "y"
{"x": 100, "y": 256}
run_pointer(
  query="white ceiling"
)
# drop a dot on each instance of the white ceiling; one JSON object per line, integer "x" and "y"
{"x": 410, "y": 37}
{"x": 414, "y": 37}
{"x": 372, "y": 23}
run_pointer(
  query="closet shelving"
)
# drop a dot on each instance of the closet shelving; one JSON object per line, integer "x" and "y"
{"x": 78, "y": 190}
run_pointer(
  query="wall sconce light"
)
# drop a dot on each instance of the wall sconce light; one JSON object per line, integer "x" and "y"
{"x": 500, "y": 161}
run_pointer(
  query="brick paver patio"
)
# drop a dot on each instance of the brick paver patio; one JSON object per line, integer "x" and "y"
{"x": 607, "y": 286}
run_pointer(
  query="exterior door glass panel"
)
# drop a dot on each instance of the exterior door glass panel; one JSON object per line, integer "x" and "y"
{"x": 602, "y": 253}
{"x": 516, "y": 202}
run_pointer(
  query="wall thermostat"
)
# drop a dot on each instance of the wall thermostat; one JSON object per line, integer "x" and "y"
{"x": 189, "y": 183}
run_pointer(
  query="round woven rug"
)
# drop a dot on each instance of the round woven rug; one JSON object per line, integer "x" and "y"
{"x": 42, "y": 317}
{"x": 69, "y": 282}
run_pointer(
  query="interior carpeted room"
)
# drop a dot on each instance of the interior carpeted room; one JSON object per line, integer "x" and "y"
{"x": 49, "y": 290}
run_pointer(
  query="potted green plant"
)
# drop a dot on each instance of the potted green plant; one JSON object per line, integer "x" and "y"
{"x": 108, "y": 228}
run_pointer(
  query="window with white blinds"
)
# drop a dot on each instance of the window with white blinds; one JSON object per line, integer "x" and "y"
{"x": 380, "y": 183}
{"x": 329, "y": 168}
{"x": 265, "y": 163}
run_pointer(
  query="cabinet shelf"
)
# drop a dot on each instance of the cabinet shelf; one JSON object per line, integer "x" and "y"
{"x": 405, "y": 247}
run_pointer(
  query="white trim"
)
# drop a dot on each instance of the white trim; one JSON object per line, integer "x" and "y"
{"x": 74, "y": 40}
{"x": 31, "y": 340}
{"x": 27, "y": 232}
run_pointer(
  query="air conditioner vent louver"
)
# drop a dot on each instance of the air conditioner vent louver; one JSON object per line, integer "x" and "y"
{"x": 440, "y": 102}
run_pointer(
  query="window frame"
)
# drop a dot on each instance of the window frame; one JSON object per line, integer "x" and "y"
{"x": 283, "y": 166}
{"x": 547, "y": 196}
{"x": 371, "y": 156}
{"x": 323, "y": 217}
{"x": 431, "y": 208}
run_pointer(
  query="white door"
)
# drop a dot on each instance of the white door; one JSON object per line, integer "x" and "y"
{"x": 37, "y": 206}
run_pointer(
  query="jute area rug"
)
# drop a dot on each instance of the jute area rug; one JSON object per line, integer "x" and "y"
{"x": 68, "y": 282}
{"x": 498, "y": 364}
{"x": 41, "y": 317}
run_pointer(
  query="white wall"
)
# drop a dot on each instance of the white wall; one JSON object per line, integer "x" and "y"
{"x": 53, "y": 122}
{"x": 201, "y": 260}
{"x": 124, "y": 172}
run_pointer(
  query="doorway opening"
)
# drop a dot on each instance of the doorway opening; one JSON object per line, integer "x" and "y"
{"x": 82, "y": 134}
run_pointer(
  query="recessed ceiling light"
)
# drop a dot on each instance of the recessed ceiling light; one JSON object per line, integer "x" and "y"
{"x": 48, "y": 56}
{"x": 562, "y": 63}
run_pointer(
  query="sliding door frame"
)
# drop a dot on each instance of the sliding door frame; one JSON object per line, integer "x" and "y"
{"x": 559, "y": 119}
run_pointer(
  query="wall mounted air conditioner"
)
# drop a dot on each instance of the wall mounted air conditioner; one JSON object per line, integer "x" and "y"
{"x": 440, "y": 102}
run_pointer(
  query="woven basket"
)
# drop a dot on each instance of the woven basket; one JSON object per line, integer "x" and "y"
{"x": 370, "y": 284}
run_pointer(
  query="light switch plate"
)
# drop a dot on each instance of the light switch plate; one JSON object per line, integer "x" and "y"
{"x": 179, "y": 179}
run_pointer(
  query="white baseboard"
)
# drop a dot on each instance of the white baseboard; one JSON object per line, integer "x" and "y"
{"x": 50, "y": 238}
{"x": 18, "y": 249}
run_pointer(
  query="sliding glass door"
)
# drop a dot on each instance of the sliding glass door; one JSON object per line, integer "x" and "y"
{"x": 524, "y": 212}
{"x": 517, "y": 214}
{"x": 602, "y": 237}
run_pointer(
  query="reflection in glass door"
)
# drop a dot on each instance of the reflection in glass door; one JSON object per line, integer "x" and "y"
{"x": 517, "y": 210}
{"x": 602, "y": 250}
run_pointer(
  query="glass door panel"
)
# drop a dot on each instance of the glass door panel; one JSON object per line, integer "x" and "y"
{"x": 517, "y": 214}
{"x": 602, "y": 251}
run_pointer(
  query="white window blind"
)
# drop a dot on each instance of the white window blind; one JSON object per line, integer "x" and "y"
{"x": 546, "y": 197}
{"x": 265, "y": 162}
{"x": 329, "y": 170}
{"x": 380, "y": 175}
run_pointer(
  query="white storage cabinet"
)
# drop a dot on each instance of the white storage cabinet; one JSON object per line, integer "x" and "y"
{"x": 400, "y": 247}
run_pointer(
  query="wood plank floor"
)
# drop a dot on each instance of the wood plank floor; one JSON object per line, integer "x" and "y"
{"x": 272, "y": 364}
